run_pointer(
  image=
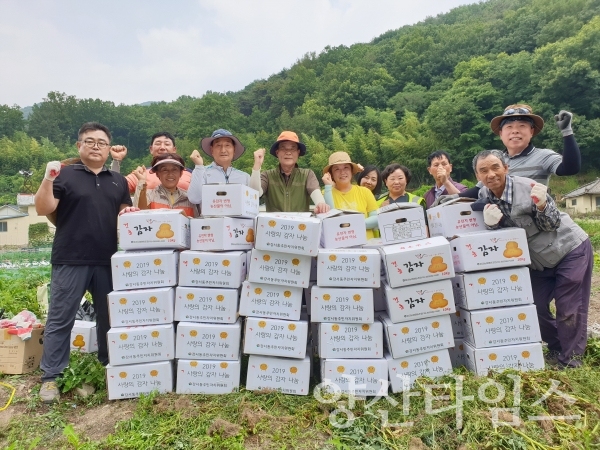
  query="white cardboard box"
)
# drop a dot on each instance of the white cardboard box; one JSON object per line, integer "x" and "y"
{"x": 212, "y": 269}
{"x": 221, "y": 233}
{"x": 131, "y": 381}
{"x": 457, "y": 353}
{"x": 401, "y": 222}
{"x": 229, "y": 200}
{"x": 141, "y": 344}
{"x": 501, "y": 326}
{"x": 418, "y": 336}
{"x": 458, "y": 328}
{"x": 417, "y": 262}
{"x": 454, "y": 216}
{"x": 346, "y": 305}
{"x": 343, "y": 229}
{"x": 343, "y": 340}
{"x": 207, "y": 377}
{"x": 216, "y": 305}
{"x": 84, "y": 337}
{"x": 289, "y": 376}
{"x": 493, "y": 288}
{"x": 144, "y": 269}
{"x": 270, "y": 300}
{"x": 214, "y": 341}
{"x": 348, "y": 267}
{"x": 141, "y": 307}
{"x": 417, "y": 301}
{"x": 279, "y": 268}
{"x": 405, "y": 371}
{"x": 522, "y": 357}
{"x": 288, "y": 233}
{"x": 274, "y": 337}
{"x": 360, "y": 377}
{"x": 492, "y": 249}
{"x": 154, "y": 229}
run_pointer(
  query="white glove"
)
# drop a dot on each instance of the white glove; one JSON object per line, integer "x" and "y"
{"x": 492, "y": 215}
{"x": 52, "y": 170}
{"x": 538, "y": 195}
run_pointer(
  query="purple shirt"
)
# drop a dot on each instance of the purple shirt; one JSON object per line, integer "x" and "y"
{"x": 430, "y": 194}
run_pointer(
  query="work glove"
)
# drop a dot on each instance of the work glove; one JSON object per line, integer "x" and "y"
{"x": 492, "y": 215}
{"x": 563, "y": 122}
{"x": 538, "y": 194}
{"x": 52, "y": 170}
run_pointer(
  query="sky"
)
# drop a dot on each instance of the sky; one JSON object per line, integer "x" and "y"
{"x": 133, "y": 51}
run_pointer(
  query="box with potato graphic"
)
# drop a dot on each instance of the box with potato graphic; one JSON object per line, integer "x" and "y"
{"x": 501, "y": 326}
{"x": 359, "y": 377}
{"x": 144, "y": 269}
{"x": 349, "y": 267}
{"x": 83, "y": 337}
{"x": 492, "y": 249}
{"x": 207, "y": 376}
{"x": 417, "y": 262}
{"x": 283, "y": 269}
{"x": 417, "y": 336}
{"x": 197, "y": 304}
{"x": 154, "y": 229}
{"x": 522, "y": 357}
{"x": 213, "y": 341}
{"x": 342, "y": 229}
{"x": 345, "y": 340}
{"x": 141, "y": 344}
{"x": 212, "y": 269}
{"x": 416, "y": 301}
{"x": 457, "y": 353}
{"x": 345, "y": 305}
{"x": 229, "y": 200}
{"x": 221, "y": 233}
{"x": 141, "y": 307}
{"x": 270, "y": 300}
{"x": 274, "y": 337}
{"x": 131, "y": 381}
{"x": 454, "y": 216}
{"x": 288, "y": 233}
{"x": 404, "y": 372}
{"x": 285, "y": 375}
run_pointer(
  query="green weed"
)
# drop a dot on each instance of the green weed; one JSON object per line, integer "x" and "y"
{"x": 82, "y": 368}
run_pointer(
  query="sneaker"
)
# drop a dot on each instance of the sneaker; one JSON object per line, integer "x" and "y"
{"x": 49, "y": 392}
{"x": 551, "y": 358}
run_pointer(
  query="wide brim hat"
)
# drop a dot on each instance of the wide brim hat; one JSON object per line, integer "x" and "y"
{"x": 206, "y": 143}
{"x": 166, "y": 161}
{"x": 511, "y": 113}
{"x": 341, "y": 158}
{"x": 288, "y": 136}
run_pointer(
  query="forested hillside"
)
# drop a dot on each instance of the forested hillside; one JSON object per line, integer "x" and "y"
{"x": 433, "y": 85}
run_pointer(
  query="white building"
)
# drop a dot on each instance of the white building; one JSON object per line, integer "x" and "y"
{"x": 15, "y": 221}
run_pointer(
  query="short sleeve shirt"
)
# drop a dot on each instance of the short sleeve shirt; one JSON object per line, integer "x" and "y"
{"x": 358, "y": 198}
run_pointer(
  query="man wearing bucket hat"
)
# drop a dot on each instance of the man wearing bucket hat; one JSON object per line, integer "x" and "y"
{"x": 287, "y": 188}
{"x": 224, "y": 148}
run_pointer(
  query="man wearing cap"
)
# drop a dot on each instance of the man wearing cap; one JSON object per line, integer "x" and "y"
{"x": 224, "y": 148}
{"x": 287, "y": 188}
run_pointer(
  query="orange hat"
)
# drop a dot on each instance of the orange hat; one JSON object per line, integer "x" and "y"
{"x": 288, "y": 136}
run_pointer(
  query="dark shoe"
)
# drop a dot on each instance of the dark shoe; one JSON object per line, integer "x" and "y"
{"x": 551, "y": 359}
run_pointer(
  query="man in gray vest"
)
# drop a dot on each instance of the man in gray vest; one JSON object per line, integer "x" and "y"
{"x": 561, "y": 253}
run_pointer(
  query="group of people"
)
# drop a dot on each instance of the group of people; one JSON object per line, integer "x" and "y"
{"x": 85, "y": 199}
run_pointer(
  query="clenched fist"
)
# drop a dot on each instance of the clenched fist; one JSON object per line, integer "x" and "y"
{"x": 140, "y": 173}
{"x": 118, "y": 152}
{"x": 196, "y": 158}
{"x": 327, "y": 179}
{"x": 259, "y": 158}
{"x": 563, "y": 122}
{"x": 52, "y": 170}
{"x": 492, "y": 215}
{"x": 538, "y": 195}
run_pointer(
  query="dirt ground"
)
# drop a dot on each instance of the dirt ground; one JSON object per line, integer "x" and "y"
{"x": 594, "y": 311}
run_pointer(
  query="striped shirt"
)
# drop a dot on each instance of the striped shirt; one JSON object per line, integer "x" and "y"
{"x": 535, "y": 163}
{"x": 214, "y": 173}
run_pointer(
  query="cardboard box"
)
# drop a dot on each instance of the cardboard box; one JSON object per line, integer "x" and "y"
{"x": 221, "y": 233}
{"x": 207, "y": 377}
{"x": 458, "y": 357}
{"x": 141, "y": 307}
{"x": 342, "y": 229}
{"x": 279, "y": 268}
{"x": 140, "y": 344}
{"x": 144, "y": 269}
{"x": 344, "y": 305}
{"x": 229, "y": 200}
{"x": 154, "y": 229}
{"x": 343, "y": 340}
{"x": 405, "y": 371}
{"x": 274, "y": 337}
{"x": 131, "y": 381}
{"x": 417, "y": 262}
{"x": 501, "y": 326}
{"x": 288, "y": 233}
{"x": 521, "y": 357}
{"x": 401, "y": 222}
{"x": 348, "y": 267}
{"x": 270, "y": 300}
{"x": 212, "y": 269}
{"x": 288, "y": 376}
{"x": 418, "y": 336}
{"x": 417, "y": 301}
{"x": 214, "y": 341}
{"x": 215, "y": 305}
{"x": 458, "y": 328}
{"x": 18, "y": 356}
{"x": 360, "y": 377}
{"x": 493, "y": 288}
{"x": 492, "y": 249}
{"x": 454, "y": 216}
{"x": 83, "y": 337}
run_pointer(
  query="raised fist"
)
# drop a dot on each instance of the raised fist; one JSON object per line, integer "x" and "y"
{"x": 327, "y": 180}
{"x": 259, "y": 158}
{"x": 52, "y": 170}
{"x": 118, "y": 152}
{"x": 538, "y": 194}
{"x": 563, "y": 122}
{"x": 196, "y": 158}
{"x": 140, "y": 173}
{"x": 492, "y": 215}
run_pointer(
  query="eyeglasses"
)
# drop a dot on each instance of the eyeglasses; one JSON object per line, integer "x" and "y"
{"x": 90, "y": 143}
{"x": 511, "y": 111}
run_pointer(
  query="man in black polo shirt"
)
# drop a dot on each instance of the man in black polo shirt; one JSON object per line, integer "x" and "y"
{"x": 87, "y": 198}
